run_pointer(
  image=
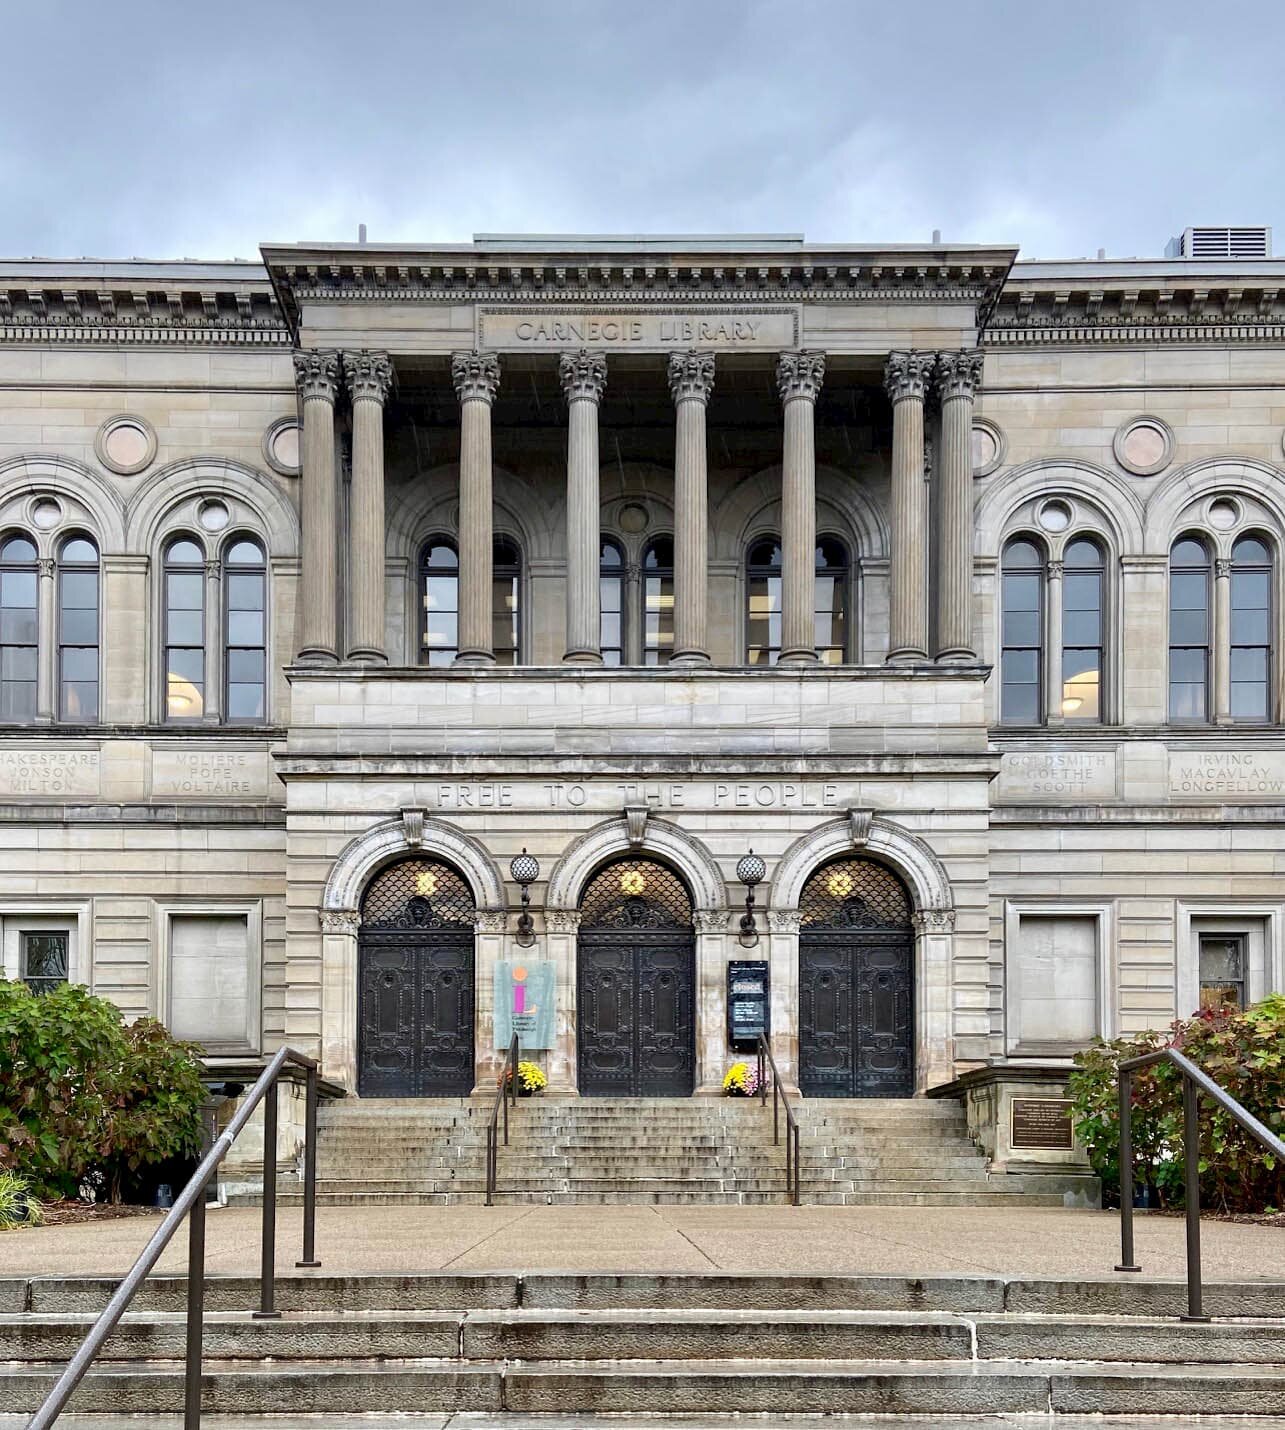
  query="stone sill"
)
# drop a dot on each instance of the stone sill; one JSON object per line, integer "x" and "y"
{"x": 621, "y": 674}
{"x": 1175, "y": 737}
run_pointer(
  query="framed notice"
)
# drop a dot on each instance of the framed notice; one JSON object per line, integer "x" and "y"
{"x": 524, "y": 1002}
{"x": 1042, "y": 1124}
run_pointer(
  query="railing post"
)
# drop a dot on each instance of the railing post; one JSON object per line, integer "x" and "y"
{"x": 195, "y": 1313}
{"x": 490, "y": 1162}
{"x": 267, "y": 1264}
{"x": 762, "y": 1074}
{"x": 1127, "y": 1262}
{"x": 310, "y": 1172}
{"x": 1191, "y": 1140}
{"x": 798, "y": 1175}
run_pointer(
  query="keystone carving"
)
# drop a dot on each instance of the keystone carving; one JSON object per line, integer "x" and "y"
{"x": 908, "y": 374}
{"x": 636, "y": 823}
{"x": 859, "y": 826}
{"x": 800, "y": 375}
{"x": 316, "y": 374}
{"x": 691, "y": 376}
{"x": 368, "y": 375}
{"x": 413, "y": 827}
{"x": 958, "y": 374}
{"x": 583, "y": 375}
{"x": 476, "y": 376}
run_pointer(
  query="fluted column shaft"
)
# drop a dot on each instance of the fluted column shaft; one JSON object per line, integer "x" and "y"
{"x": 691, "y": 381}
{"x": 907, "y": 378}
{"x": 369, "y": 377}
{"x": 477, "y": 380}
{"x": 958, "y": 377}
{"x": 584, "y": 379}
{"x": 1222, "y": 642}
{"x": 798, "y": 380}
{"x": 317, "y": 378}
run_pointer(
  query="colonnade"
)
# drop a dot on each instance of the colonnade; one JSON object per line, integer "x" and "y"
{"x": 931, "y": 524}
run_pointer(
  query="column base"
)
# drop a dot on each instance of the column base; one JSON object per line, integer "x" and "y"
{"x": 317, "y": 655}
{"x": 907, "y": 655}
{"x": 802, "y": 656}
{"x": 956, "y": 655}
{"x": 473, "y": 660}
{"x": 582, "y": 657}
{"x": 690, "y": 658}
{"x": 366, "y": 655}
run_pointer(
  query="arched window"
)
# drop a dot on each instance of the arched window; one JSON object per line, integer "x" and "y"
{"x": 1083, "y": 645}
{"x": 506, "y": 586}
{"x": 611, "y": 587}
{"x": 245, "y": 644}
{"x": 184, "y": 576}
{"x": 78, "y": 597}
{"x": 19, "y": 628}
{"x": 830, "y": 614}
{"x": 763, "y": 615}
{"x": 658, "y": 602}
{"x": 1251, "y": 641}
{"x": 439, "y": 636}
{"x": 1189, "y": 629}
{"x": 1022, "y": 633}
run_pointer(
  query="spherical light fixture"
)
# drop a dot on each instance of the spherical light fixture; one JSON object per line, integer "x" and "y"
{"x": 750, "y": 870}
{"x": 525, "y": 869}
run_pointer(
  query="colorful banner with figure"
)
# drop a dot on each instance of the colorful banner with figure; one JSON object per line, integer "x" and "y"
{"x": 524, "y": 1003}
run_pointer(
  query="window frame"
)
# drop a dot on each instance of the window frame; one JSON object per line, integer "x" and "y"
{"x": 422, "y": 649}
{"x": 1253, "y": 533}
{"x": 33, "y": 568}
{"x": 62, "y": 566}
{"x": 167, "y": 567}
{"x": 1107, "y": 990}
{"x": 1263, "y": 924}
{"x": 661, "y": 573}
{"x": 1040, "y": 572}
{"x": 263, "y": 570}
{"x": 772, "y": 571}
{"x": 71, "y": 916}
{"x": 165, "y": 911}
{"x": 517, "y": 575}
{"x": 1103, "y": 648}
{"x": 620, "y": 575}
{"x": 1209, "y": 546}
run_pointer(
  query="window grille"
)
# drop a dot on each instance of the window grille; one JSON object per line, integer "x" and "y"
{"x": 635, "y": 893}
{"x": 417, "y": 894}
{"x": 854, "y": 893}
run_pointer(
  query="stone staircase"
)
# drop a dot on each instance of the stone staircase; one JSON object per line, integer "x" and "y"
{"x": 504, "y": 1350}
{"x": 697, "y": 1150}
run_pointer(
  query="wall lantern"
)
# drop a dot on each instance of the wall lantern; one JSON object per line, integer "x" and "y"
{"x": 750, "y": 871}
{"x": 525, "y": 869}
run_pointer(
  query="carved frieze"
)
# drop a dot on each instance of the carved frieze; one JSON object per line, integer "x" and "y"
{"x": 908, "y": 374}
{"x": 710, "y": 920}
{"x": 340, "y": 921}
{"x": 691, "y": 376}
{"x": 933, "y": 920}
{"x": 490, "y": 920}
{"x": 316, "y": 374}
{"x": 476, "y": 376}
{"x": 800, "y": 375}
{"x": 784, "y": 920}
{"x": 583, "y": 375}
{"x": 562, "y": 920}
{"x": 368, "y": 376}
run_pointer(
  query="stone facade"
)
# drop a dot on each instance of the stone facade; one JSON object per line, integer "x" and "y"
{"x": 346, "y": 410}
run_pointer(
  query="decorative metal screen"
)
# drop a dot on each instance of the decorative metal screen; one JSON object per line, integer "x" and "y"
{"x": 417, "y": 894}
{"x": 637, "y": 894}
{"x": 854, "y": 894}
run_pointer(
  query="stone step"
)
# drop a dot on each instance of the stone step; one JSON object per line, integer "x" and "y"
{"x": 980, "y": 1197}
{"x": 483, "y": 1420}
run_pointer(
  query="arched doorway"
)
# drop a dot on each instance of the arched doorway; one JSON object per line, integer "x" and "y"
{"x": 636, "y": 983}
{"x": 415, "y": 983}
{"x": 856, "y": 995}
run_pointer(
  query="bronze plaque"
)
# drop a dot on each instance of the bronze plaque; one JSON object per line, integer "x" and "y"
{"x": 1043, "y": 1123}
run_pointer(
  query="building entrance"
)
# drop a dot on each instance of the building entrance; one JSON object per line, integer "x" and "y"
{"x": 636, "y": 984}
{"x": 856, "y": 959}
{"x": 415, "y": 983}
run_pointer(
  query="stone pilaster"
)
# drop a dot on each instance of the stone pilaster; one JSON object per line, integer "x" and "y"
{"x": 477, "y": 381}
{"x": 317, "y": 378}
{"x": 691, "y": 381}
{"x": 369, "y": 376}
{"x": 798, "y": 380}
{"x": 1222, "y": 642}
{"x": 584, "y": 379}
{"x": 907, "y": 376}
{"x": 958, "y": 377}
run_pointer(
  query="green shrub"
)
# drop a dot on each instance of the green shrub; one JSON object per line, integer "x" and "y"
{"x": 84, "y": 1099}
{"x": 17, "y": 1206}
{"x": 1245, "y": 1054}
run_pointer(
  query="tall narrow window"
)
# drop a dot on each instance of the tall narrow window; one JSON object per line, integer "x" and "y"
{"x": 1022, "y": 633}
{"x": 763, "y": 616}
{"x": 611, "y": 587}
{"x": 1189, "y": 630}
{"x": 440, "y": 596}
{"x": 1222, "y": 972}
{"x": 1251, "y": 641}
{"x": 658, "y": 602}
{"x": 506, "y": 585}
{"x": 830, "y": 615}
{"x": 245, "y": 641}
{"x": 184, "y": 630}
{"x": 78, "y": 629}
{"x": 1083, "y": 647}
{"x": 19, "y": 625}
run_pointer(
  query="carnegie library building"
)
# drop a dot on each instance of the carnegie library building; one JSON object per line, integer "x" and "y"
{"x": 643, "y": 643}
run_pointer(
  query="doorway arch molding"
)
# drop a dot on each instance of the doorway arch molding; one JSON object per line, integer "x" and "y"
{"x": 886, "y": 841}
{"x": 661, "y": 838}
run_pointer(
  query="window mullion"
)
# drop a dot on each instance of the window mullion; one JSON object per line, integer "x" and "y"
{"x": 213, "y": 643}
{"x": 47, "y": 642}
{"x": 1054, "y": 638}
{"x": 1222, "y": 642}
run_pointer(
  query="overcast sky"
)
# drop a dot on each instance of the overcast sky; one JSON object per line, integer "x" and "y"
{"x": 182, "y": 129}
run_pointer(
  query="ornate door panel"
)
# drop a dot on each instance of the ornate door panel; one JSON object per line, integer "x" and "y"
{"x": 605, "y": 1012}
{"x": 827, "y": 1048}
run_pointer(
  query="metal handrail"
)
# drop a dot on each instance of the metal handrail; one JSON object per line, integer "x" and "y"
{"x": 793, "y": 1175}
{"x": 506, "y": 1092}
{"x": 191, "y": 1202}
{"x": 1194, "y": 1082}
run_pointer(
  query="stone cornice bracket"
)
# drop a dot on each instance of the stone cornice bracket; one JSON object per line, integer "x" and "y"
{"x": 908, "y": 374}
{"x": 316, "y": 374}
{"x": 859, "y": 827}
{"x": 490, "y": 920}
{"x": 368, "y": 375}
{"x": 933, "y": 920}
{"x": 958, "y": 374}
{"x": 340, "y": 921}
{"x": 691, "y": 376}
{"x": 476, "y": 376}
{"x": 413, "y": 828}
{"x": 583, "y": 375}
{"x": 636, "y": 823}
{"x": 562, "y": 920}
{"x": 800, "y": 375}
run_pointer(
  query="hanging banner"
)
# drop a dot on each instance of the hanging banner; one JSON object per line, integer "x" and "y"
{"x": 524, "y": 1003}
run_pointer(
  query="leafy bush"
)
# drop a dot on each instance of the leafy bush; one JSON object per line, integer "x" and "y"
{"x": 1245, "y": 1054}
{"x": 17, "y": 1206}
{"x": 84, "y": 1099}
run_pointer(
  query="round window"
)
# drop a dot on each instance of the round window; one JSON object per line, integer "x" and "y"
{"x": 1144, "y": 446}
{"x": 282, "y": 447}
{"x": 125, "y": 444}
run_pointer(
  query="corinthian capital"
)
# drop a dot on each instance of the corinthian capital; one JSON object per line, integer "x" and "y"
{"x": 908, "y": 375}
{"x": 316, "y": 374}
{"x": 583, "y": 375}
{"x": 476, "y": 376}
{"x": 959, "y": 374}
{"x": 368, "y": 375}
{"x": 691, "y": 376}
{"x": 800, "y": 375}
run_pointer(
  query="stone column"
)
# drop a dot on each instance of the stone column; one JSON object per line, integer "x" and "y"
{"x": 691, "y": 381}
{"x": 1053, "y": 712}
{"x": 906, "y": 378}
{"x": 798, "y": 380}
{"x": 584, "y": 379}
{"x": 47, "y": 642}
{"x": 1222, "y": 641}
{"x": 317, "y": 376}
{"x": 368, "y": 377}
{"x": 958, "y": 377}
{"x": 212, "y": 709}
{"x": 477, "y": 380}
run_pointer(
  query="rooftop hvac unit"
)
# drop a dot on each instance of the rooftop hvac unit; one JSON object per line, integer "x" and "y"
{"x": 1205, "y": 242}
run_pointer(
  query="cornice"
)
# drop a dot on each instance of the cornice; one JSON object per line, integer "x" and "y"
{"x": 140, "y": 315}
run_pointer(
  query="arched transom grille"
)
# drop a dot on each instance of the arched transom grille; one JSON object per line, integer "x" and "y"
{"x": 635, "y": 893}
{"x": 854, "y": 893}
{"x": 417, "y": 894}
